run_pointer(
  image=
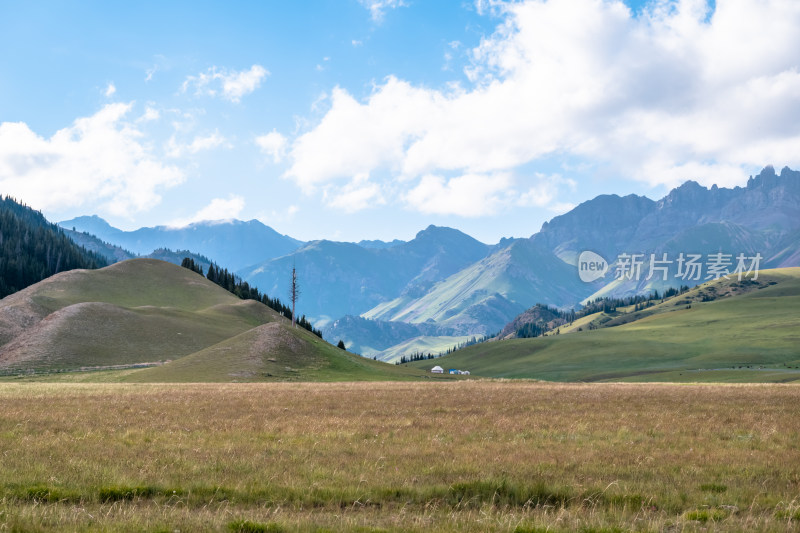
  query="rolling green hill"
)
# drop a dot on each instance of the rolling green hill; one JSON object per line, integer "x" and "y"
{"x": 273, "y": 351}
{"x": 145, "y": 311}
{"x": 746, "y": 332}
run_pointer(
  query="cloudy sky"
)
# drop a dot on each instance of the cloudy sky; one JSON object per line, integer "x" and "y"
{"x": 370, "y": 119}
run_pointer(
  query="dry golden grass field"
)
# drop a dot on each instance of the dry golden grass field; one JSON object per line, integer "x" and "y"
{"x": 466, "y": 456}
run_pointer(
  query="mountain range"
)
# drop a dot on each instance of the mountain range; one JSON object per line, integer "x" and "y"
{"x": 443, "y": 283}
{"x": 341, "y": 278}
{"x": 232, "y": 243}
{"x": 114, "y": 254}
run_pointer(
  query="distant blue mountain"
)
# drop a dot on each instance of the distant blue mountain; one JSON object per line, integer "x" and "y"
{"x": 445, "y": 282}
{"x": 763, "y": 217}
{"x": 339, "y": 278}
{"x": 114, "y": 254}
{"x": 233, "y": 244}
{"x": 379, "y": 244}
{"x": 609, "y": 224}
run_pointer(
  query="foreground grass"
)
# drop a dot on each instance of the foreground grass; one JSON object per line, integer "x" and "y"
{"x": 464, "y": 456}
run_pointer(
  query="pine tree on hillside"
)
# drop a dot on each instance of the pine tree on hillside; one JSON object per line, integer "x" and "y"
{"x": 189, "y": 263}
{"x": 243, "y": 290}
{"x": 32, "y": 249}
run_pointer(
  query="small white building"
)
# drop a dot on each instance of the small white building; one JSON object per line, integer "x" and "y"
{"x": 437, "y": 370}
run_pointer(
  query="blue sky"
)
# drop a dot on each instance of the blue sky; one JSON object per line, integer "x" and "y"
{"x": 370, "y": 119}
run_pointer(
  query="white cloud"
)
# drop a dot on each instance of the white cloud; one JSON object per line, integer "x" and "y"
{"x": 229, "y": 84}
{"x": 185, "y": 121}
{"x": 273, "y": 144}
{"x": 355, "y": 138}
{"x": 357, "y": 195}
{"x": 377, "y": 8}
{"x": 160, "y": 63}
{"x": 489, "y": 6}
{"x": 668, "y": 95}
{"x": 218, "y": 209}
{"x": 470, "y": 195}
{"x": 559, "y": 208}
{"x": 273, "y": 217}
{"x": 110, "y": 90}
{"x": 150, "y": 114}
{"x": 100, "y": 159}
{"x": 206, "y": 143}
{"x": 198, "y": 144}
{"x": 544, "y": 190}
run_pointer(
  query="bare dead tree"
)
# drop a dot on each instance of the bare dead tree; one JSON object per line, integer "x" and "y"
{"x": 294, "y": 294}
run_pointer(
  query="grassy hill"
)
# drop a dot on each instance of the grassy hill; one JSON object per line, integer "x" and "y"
{"x": 747, "y": 331}
{"x": 723, "y": 237}
{"x": 145, "y": 311}
{"x": 273, "y": 351}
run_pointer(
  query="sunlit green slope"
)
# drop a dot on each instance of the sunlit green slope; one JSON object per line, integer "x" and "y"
{"x": 145, "y": 311}
{"x": 748, "y": 332}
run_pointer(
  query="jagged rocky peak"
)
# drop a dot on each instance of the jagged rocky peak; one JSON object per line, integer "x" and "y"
{"x": 91, "y": 224}
{"x": 691, "y": 196}
{"x": 437, "y": 232}
{"x": 441, "y": 238}
{"x": 606, "y": 210}
{"x": 768, "y": 179}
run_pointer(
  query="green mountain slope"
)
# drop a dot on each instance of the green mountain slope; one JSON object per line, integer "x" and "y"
{"x": 112, "y": 253}
{"x": 722, "y": 237}
{"x": 149, "y": 311}
{"x": 748, "y": 332}
{"x": 141, "y": 310}
{"x": 339, "y": 278}
{"x": 423, "y": 345}
{"x": 485, "y": 296}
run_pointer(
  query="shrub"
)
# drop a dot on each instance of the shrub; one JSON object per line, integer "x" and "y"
{"x": 505, "y": 493}
{"x": 713, "y": 487}
{"x": 246, "y": 526}
{"x": 43, "y": 493}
